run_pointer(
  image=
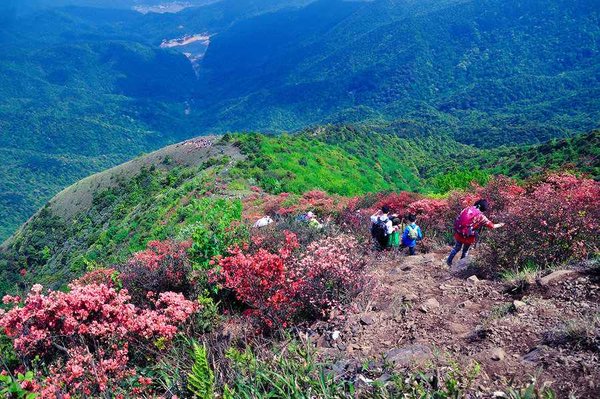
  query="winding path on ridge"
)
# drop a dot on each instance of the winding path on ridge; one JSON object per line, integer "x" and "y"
{"x": 415, "y": 312}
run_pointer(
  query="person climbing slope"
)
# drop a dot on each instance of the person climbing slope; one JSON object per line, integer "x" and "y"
{"x": 412, "y": 233}
{"x": 466, "y": 227}
{"x": 394, "y": 240}
{"x": 381, "y": 226}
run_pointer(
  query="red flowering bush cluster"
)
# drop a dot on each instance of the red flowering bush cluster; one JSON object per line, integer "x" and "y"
{"x": 398, "y": 202}
{"x": 288, "y": 285}
{"x": 85, "y": 337}
{"x": 108, "y": 277}
{"x": 163, "y": 267}
{"x": 432, "y": 216}
{"x": 286, "y": 204}
{"x": 548, "y": 222}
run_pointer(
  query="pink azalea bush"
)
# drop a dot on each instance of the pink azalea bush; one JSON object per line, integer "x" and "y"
{"x": 163, "y": 267}
{"x": 86, "y": 336}
{"x": 287, "y": 285}
{"x": 548, "y": 222}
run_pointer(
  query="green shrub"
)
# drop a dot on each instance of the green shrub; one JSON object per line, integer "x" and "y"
{"x": 289, "y": 372}
{"x": 217, "y": 228}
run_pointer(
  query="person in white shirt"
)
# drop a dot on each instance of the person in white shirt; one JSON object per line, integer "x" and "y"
{"x": 382, "y": 226}
{"x": 262, "y": 222}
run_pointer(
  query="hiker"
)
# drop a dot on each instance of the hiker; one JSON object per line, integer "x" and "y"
{"x": 466, "y": 227}
{"x": 263, "y": 221}
{"x": 412, "y": 234}
{"x": 394, "y": 240}
{"x": 381, "y": 226}
{"x": 312, "y": 220}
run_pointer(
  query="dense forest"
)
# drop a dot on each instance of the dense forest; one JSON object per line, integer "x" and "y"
{"x": 86, "y": 88}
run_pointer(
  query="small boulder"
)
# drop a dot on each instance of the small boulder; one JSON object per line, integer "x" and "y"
{"x": 429, "y": 304}
{"x": 408, "y": 355}
{"x": 497, "y": 354}
{"x": 556, "y": 276}
{"x": 473, "y": 280}
{"x": 466, "y": 304}
{"x": 519, "y": 305}
{"x": 335, "y": 335}
{"x": 367, "y": 320}
{"x": 410, "y": 297}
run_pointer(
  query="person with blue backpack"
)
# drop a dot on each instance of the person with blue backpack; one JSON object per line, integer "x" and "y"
{"x": 412, "y": 233}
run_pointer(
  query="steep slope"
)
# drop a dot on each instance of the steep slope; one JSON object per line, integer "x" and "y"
{"x": 105, "y": 217}
{"x": 416, "y": 312}
{"x": 108, "y": 215}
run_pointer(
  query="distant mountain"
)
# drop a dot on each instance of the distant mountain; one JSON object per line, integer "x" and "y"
{"x": 83, "y": 89}
{"x": 492, "y": 72}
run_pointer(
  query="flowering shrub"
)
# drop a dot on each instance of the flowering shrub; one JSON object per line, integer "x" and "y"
{"x": 164, "y": 266}
{"x": 286, "y": 204}
{"x": 433, "y": 215}
{"x": 85, "y": 336}
{"x": 398, "y": 202}
{"x": 549, "y": 222}
{"x": 108, "y": 277}
{"x": 286, "y": 286}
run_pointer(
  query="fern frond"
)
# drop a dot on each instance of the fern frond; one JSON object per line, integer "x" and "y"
{"x": 201, "y": 380}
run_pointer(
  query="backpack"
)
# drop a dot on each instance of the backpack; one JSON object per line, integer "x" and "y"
{"x": 464, "y": 224}
{"x": 379, "y": 230}
{"x": 413, "y": 233}
{"x": 302, "y": 217}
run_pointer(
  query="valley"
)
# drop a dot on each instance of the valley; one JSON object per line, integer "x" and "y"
{"x": 282, "y": 67}
{"x": 263, "y": 199}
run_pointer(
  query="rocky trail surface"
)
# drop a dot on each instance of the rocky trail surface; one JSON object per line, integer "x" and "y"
{"x": 415, "y": 314}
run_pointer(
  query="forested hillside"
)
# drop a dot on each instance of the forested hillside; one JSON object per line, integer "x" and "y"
{"x": 490, "y": 72}
{"x": 104, "y": 218}
{"x": 82, "y": 89}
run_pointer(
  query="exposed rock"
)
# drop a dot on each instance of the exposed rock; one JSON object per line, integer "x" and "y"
{"x": 556, "y": 276}
{"x": 497, "y": 354}
{"x": 429, "y": 304}
{"x": 367, "y": 320}
{"x": 381, "y": 305}
{"x": 519, "y": 305}
{"x": 407, "y": 355}
{"x": 466, "y": 304}
{"x": 533, "y": 356}
{"x": 473, "y": 279}
{"x": 339, "y": 367}
{"x": 335, "y": 335}
{"x": 361, "y": 380}
{"x": 410, "y": 297}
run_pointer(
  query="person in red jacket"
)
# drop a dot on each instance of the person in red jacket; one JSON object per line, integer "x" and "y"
{"x": 470, "y": 220}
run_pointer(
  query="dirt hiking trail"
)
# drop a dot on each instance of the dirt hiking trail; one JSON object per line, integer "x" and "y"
{"x": 416, "y": 313}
